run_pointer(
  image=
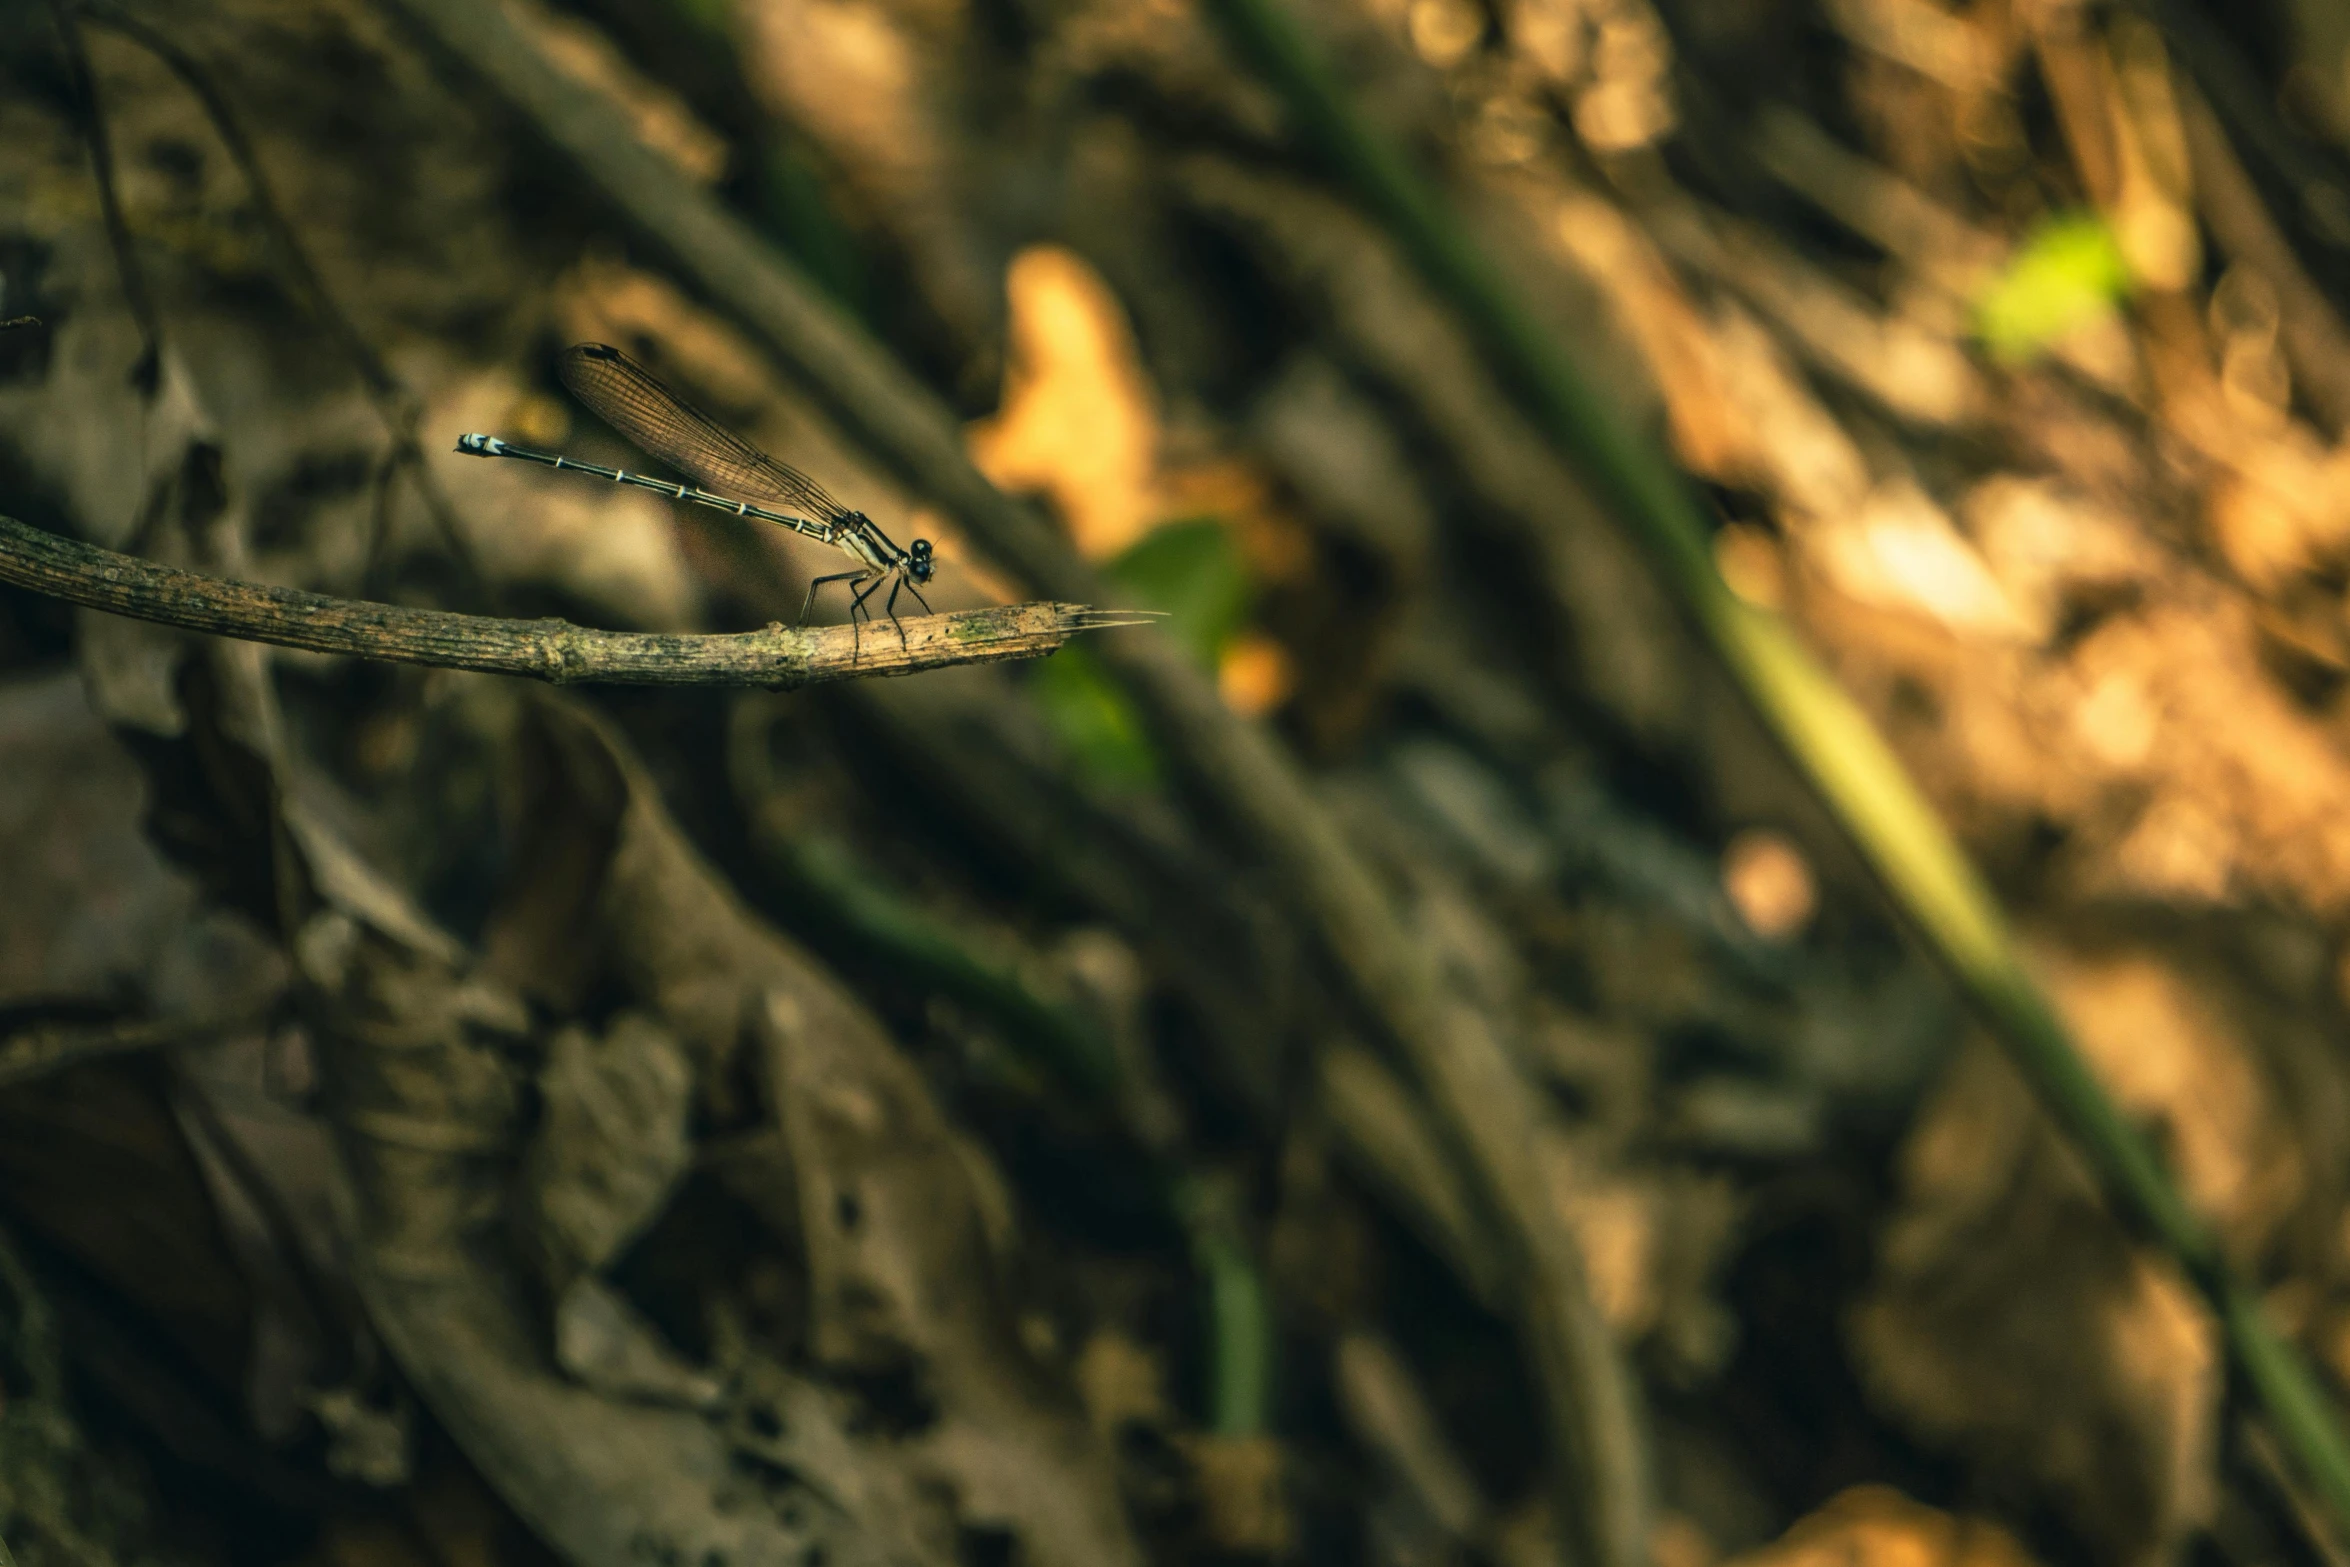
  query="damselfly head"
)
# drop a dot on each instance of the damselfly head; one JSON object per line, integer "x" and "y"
{"x": 919, "y": 561}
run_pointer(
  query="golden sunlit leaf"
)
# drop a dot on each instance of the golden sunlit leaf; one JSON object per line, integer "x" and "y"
{"x": 1877, "y": 1526}
{"x": 1079, "y": 422}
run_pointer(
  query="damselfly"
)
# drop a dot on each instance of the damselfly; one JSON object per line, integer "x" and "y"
{"x": 729, "y": 473}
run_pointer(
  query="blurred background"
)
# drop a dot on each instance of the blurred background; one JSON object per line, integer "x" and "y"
{"x": 929, "y": 1121}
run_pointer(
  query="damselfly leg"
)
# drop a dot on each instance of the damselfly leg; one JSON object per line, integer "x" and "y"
{"x": 906, "y": 585}
{"x": 809, "y": 602}
{"x": 899, "y": 582}
{"x": 858, "y": 603}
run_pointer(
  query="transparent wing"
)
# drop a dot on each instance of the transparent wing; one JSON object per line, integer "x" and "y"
{"x": 625, "y": 396}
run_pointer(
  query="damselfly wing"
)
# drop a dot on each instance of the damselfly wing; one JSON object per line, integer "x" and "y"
{"x": 729, "y": 473}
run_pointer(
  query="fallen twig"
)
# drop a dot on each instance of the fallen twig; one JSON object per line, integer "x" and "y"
{"x": 137, "y": 297}
{"x": 552, "y": 650}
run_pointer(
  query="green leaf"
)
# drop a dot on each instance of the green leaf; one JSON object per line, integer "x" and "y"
{"x": 1194, "y": 572}
{"x": 1095, "y": 722}
{"x": 2068, "y": 273}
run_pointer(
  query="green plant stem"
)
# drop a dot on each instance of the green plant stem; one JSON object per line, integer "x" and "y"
{"x": 1075, "y": 1052}
{"x": 1877, "y": 804}
{"x": 925, "y": 952}
{"x": 1240, "y": 1319}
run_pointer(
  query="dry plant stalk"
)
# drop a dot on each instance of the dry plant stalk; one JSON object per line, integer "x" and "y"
{"x": 552, "y": 650}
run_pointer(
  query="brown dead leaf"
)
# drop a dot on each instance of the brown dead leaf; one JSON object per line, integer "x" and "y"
{"x": 89, "y": 903}
{"x": 897, "y": 1213}
{"x": 2011, "y": 1321}
{"x": 610, "y": 1145}
{"x": 1243, "y": 1493}
{"x": 423, "y": 1057}
{"x": 2015, "y": 1323}
{"x": 602, "y": 1479}
{"x": 904, "y": 1284}
{"x": 1121, "y": 1383}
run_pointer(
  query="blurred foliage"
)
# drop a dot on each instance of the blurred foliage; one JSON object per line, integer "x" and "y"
{"x": 1193, "y": 572}
{"x": 2068, "y": 273}
{"x": 1061, "y": 1094}
{"x": 64, "y": 1503}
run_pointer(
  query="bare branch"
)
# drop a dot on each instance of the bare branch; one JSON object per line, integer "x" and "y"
{"x": 136, "y": 295}
{"x": 552, "y": 650}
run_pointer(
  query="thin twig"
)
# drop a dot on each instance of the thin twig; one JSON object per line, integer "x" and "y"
{"x": 395, "y": 404}
{"x": 552, "y": 650}
{"x": 118, "y": 233}
{"x": 1868, "y": 792}
{"x": 1486, "y": 1107}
